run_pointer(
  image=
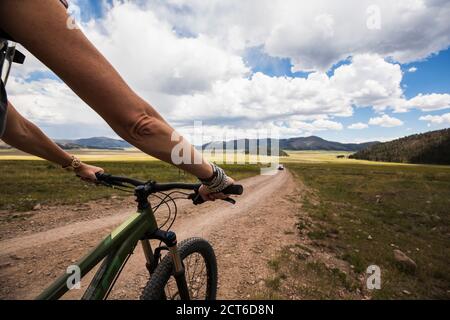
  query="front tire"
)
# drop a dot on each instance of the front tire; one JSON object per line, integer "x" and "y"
{"x": 197, "y": 256}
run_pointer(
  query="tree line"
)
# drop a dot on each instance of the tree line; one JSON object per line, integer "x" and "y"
{"x": 426, "y": 148}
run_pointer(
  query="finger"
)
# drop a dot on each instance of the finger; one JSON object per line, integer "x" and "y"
{"x": 88, "y": 179}
{"x": 220, "y": 196}
{"x": 101, "y": 171}
{"x": 204, "y": 196}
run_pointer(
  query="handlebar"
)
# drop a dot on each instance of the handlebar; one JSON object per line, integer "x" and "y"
{"x": 117, "y": 181}
{"x": 154, "y": 187}
{"x": 234, "y": 189}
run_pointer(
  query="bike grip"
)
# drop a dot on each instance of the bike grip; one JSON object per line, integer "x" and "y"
{"x": 235, "y": 189}
{"x": 99, "y": 175}
{"x": 102, "y": 177}
{"x": 197, "y": 199}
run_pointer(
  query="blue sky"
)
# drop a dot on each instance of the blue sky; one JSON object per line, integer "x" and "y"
{"x": 183, "y": 56}
{"x": 92, "y": 9}
{"x": 432, "y": 76}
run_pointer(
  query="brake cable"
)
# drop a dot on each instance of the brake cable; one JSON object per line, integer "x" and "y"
{"x": 163, "y": 200}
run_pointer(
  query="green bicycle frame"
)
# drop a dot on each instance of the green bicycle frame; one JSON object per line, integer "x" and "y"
{"x": 116, "y": 248}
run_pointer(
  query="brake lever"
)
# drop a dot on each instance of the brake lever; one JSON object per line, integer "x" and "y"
{"x": 111, "y": 185}
{"x": 230, "y": 200}
{"x": 197, "y": 199}
{"x": 96, "y": 182}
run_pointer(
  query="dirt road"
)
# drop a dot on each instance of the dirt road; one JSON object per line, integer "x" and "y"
{"x": 36, "y": 247}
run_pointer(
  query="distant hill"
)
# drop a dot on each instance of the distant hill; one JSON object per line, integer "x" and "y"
{"x": 427, "y": 148}
{"x": 68, "y": 145}
{"x": 312, "y": 143}
{"x": 94, "y": 143}
{"x": 293, "y": 144}
{"x": 248, "y": 146}
{"x": 316, "y": 143}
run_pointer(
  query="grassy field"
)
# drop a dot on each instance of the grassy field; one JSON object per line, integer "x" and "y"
{"x": 357, "y": 211}
{"x": 361, "y": 213}
{"x": 85, "y": 155}
{"x": 26, "y": 183}
{"x": 331, "y": 157}
{"x": 136, "y": 156}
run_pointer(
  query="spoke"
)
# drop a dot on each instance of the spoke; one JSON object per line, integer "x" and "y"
{"x": 195, "y": 268}
{"x": 187, "y": 272}
{"x": 187, "y": 266}
{"x": 203, "y": 279}
{"x": 195, "y": 276}
{"x": 189, "y": 277}
{"x": 171, "y": 285}
{"x": 168, "y": 289}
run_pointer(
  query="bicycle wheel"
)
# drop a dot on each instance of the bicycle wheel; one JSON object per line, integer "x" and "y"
{"x": 200, "y": 268}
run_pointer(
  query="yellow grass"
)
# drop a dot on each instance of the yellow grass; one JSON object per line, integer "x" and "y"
{"x": 136, "y": 155}
{"x": 332, "y": 157}
{"x": 220, "y": 158}
{"x": 86, "y": 155}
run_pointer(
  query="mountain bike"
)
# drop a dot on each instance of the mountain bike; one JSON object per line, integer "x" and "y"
{"x": 187, "y": 271}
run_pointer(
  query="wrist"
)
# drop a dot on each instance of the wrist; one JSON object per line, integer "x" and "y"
{"x": 66, "y": 161}
{"x": 207, "y": 172}
{"x": 219, "y": 180}
{"x": 210, "y": 176}
{"x": 73, "y": 163}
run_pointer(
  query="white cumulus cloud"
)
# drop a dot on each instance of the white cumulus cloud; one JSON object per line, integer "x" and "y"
{"x": 442, "y": 119}
{"x": 358, "y": 126}
{"x": 385, "y": 121}
{"x": 426, "y": 102}
{"x": 316, "y": 35}
{"x": 179, "y": 56}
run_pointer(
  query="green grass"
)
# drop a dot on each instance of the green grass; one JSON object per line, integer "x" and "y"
{"x": 27, "y": 183}
{"x": 406, "y": 207}
{"x": 294, "y": 276}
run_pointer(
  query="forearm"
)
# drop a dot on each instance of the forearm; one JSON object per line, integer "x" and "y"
{"x": 84, "y": 69}
{"x": 149, "y": 132}
{"x": 25, "y": 136}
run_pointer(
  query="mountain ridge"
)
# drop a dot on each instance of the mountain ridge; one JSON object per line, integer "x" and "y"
{"x": 311, "y": 143}
{"x": 314, "y": 143}
{"x": 426, "y": 148}
{"x": 93, "y": 143}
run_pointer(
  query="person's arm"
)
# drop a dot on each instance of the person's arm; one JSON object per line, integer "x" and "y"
{"x": 84, "y": 69}
{"x": 25, "y": 136}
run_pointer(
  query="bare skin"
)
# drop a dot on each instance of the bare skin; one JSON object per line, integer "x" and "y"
{"x": 24, "y": 135}
{"x": 69, "y": 54}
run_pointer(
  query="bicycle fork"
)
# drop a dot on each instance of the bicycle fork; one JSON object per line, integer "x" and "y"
{"x": 170, "y": 240}
{"x": 179, "y": 272}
